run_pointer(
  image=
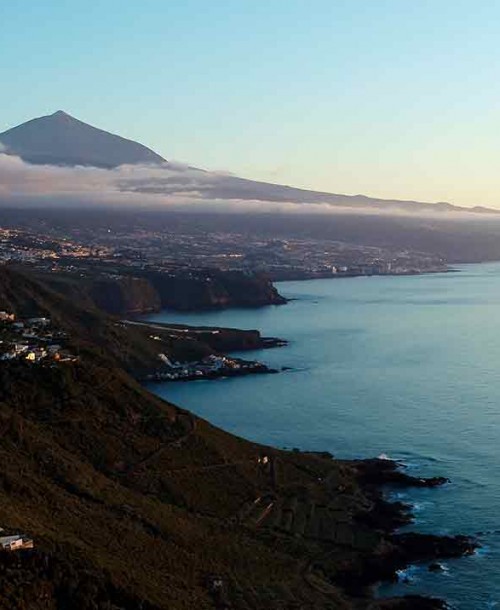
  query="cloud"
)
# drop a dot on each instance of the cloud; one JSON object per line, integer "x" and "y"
{"x": 38, "y": 183}
{"x": 174, "y": 186}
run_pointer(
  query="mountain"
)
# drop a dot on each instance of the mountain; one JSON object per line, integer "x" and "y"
{"x": 60, "y": 139}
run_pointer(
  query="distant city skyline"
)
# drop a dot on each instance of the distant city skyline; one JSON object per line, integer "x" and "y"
{"x": 392, "y": 99}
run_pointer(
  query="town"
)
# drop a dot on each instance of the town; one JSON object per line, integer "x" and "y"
{"x": 37, "y": 341}
{"x": 32, "y": 340}
{"x": 177, "y": 248}
{"x": 211, "y": 367}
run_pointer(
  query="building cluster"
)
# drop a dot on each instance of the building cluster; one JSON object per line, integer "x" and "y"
{"x": 21, "y": 246}
{"x": 87, "y": 251}
{"x": 33, "y": 340}
{"x": 208, "y": 368}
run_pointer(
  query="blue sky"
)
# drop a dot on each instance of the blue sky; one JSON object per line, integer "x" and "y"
{"x": 394, "y": 98}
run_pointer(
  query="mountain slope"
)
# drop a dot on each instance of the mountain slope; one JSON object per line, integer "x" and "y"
{"x": 60, "y": 139}
{"x": 134, "y": 503}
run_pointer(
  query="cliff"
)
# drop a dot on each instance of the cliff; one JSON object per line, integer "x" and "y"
{"x": 198, "y": 290}
{"x": 124, "y": 293}
{"x": 218, "y": 338}
{"x": 113, "y": 294}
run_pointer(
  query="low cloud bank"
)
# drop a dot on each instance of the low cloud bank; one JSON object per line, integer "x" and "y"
{"x": 171, "y": 185}
{"x": 176, "y": 186}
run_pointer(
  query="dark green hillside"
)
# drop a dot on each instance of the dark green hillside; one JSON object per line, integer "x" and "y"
{"x": 134, "y": 503}
{"x": 111, "y": 481}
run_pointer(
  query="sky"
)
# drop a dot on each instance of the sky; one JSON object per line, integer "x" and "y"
{"x": 392, "y": 99}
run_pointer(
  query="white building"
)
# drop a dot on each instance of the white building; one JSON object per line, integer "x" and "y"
{"x": 15, "y": 543}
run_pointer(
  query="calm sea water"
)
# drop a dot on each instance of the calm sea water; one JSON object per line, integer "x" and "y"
{"x": 407, "y": 366}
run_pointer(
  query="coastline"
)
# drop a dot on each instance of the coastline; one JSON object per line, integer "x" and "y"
{"x": 369, "y": 565}
{"x": 272, "y": 298}
{"x": 208, "y": 348}
{"x": 239, "y": 368}
{"x": 264, "y": 517}
{"x": 367, "y": 532}
{"x": 397, "y": 551}
{"x": 300, "y": 276}
{"x": 408, "y": 548}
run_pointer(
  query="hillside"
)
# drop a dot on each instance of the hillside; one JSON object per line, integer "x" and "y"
{"x": 135, "y": 503}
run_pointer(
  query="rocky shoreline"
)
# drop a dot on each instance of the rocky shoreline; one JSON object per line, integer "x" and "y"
{"x": 360, "y": 575}
{"x": 399, "y": 550}
{"x": 396, "y": 551}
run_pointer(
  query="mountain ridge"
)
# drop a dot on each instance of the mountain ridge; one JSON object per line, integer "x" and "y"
{"x": 62, "y": 140}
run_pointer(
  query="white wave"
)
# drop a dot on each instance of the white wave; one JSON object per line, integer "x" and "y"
{"x": 407, "y": 575}
{"x": 482, "y": 551}
{"x": 384, "y": 456}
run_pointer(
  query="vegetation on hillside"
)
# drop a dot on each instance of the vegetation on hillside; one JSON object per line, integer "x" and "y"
{"x": 135, "y": 503}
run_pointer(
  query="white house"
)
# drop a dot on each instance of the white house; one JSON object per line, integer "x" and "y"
{"x": 15, "y": 543}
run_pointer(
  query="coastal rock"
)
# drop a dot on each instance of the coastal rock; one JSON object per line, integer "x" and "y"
{"x": 388, "y": 472}
{"x": 409, "y": 602}
{"x": 424, "y": 547}
{"x": 122, "y": 293}
{"x": 398, "y": 552}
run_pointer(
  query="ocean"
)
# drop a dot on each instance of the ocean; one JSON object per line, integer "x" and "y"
{"x": 404, "y": 366}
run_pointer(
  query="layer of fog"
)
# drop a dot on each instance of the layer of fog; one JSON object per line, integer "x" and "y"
{"x": 175, "y": 186}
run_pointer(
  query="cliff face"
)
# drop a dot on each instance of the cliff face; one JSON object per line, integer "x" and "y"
{"x": 117, "y": 295}
{"x": 232, "y": 340}
{"x": 213, "y": 290}
{"x": 124, "y": 295}
{"x": 148, "y": 291}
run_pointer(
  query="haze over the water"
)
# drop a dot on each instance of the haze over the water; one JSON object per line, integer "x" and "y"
{"x": 391, "y": 99}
